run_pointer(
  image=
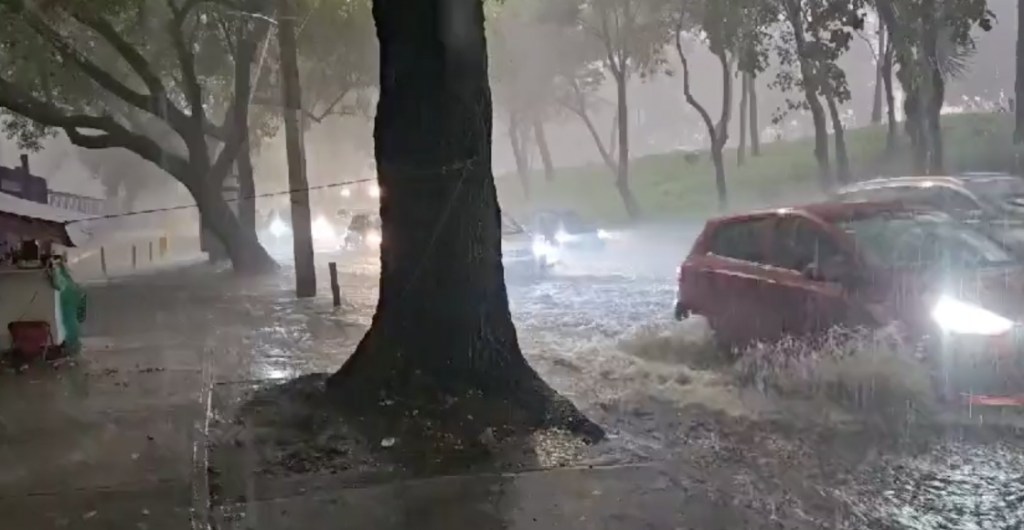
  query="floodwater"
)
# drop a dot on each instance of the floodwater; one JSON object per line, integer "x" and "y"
{"x": 599, "y": 328}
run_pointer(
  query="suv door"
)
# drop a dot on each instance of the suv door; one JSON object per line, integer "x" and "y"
{"x": 725, "y": 282}
{"x": 806, "y": 304}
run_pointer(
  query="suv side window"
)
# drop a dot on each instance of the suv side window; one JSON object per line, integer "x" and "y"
{"x": 740, "y": 240}
{"x": 797, "y": 244}
{"x": 947, "y": 200}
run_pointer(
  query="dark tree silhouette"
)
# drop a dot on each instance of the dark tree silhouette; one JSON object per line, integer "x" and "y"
{"x": 442, "y": 331}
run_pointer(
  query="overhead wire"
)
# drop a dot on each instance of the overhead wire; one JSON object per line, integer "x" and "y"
{"x": 307, "y": 189}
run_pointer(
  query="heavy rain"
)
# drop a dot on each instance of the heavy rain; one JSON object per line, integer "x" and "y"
{"x": 516, "y": 264}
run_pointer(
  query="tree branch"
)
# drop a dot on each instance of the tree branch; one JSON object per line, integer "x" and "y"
{"x": 186, "y": 60}
{"x": 19, "y": 101}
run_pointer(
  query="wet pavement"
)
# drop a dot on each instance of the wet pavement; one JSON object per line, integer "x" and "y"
{"x": 145, "y": 432}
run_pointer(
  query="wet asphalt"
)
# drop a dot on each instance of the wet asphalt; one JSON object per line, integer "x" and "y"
{"x": 120, "y": 439}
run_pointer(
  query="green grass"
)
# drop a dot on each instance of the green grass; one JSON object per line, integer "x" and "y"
{"x": 668, "y": 187}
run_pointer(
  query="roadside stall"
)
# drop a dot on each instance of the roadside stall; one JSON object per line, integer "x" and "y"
{"x": 41, "y": 306}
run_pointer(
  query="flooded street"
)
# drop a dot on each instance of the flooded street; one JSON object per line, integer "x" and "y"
{"x": 599, "y": 328}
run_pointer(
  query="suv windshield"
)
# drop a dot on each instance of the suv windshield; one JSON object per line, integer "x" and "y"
{"x": 574, "y": 224}
{"x": 924, "y": 240}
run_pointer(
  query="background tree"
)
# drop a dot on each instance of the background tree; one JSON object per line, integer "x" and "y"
{"x": 442, "y": 338}
{"x": 816, "y": 34}
{"x": 103, "y": 63}
{"x": 632, "y": 34}
{"x": 1018, "y": 135}
{"x": 931, "y": 42}
{"x": 732, "y": 32}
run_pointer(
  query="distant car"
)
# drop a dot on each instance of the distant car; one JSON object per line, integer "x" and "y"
{"x": 520, "y": 248}
{"x": 568, "y": 230}
{"x": 992, "y": 202}
{"x": 364, "y": 232}
{"x": 802, "y": 271}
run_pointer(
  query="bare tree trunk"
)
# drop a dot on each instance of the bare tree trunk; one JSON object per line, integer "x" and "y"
{"x": 541, "y": 137}
{"x": 246, "y": 189}
{"x": 741, "y": 151}
{"x": 839, "y": 135}
{"x": 442, "y": 341}
{"x": 622, "y": 175}
{"x": 890, "y": 98}
{"x": 876, "y": 101}
{"x": 302, "y": 237}
{"x": 1018, "y": 106}
{"x": 755, "y": 127}
{"x": 515, "y": 135}
{"x": 716, "y": 139}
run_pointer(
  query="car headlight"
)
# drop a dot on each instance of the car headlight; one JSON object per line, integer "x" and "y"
{"x": 603, "y": 234}
{"x": 562, "y": 236}
{"x": 322, "y": 229}
{"x": 345, "y": 192}
{"x": 278, "y": 227}
{"x": 541, "y": 248}
{"x": 955, "y": 316}
{"x": 373, "y": 238}
{"x": 373, "y": 191}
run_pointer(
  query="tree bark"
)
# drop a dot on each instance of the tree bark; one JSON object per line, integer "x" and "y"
{"x": 755, "y": 127}
{"x": 890, "y": 97}
{"x": 839, "y": 135}
{"x": 541, "y": 137}
{"x": 515, "y": 135}
{"x": 442, "y": 332}
{"x": 246, "y": 189}
{"x": 741, "y": 151}
{"x": 302, "y": 237}
{"x": 876, "y": 101}
{"x": 622, "y": 174}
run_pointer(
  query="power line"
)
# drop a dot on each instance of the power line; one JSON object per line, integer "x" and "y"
{"x": 257, "y": 196}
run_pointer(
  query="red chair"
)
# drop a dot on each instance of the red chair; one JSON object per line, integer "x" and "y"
{"x": 30, "y": 339}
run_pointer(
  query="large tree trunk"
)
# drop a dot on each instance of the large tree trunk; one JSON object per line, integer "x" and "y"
{"x": 839, "y": 135}
{"x": 442, "y": 333}
{"x": 755, "y": 126}
{"x": 622, "y": 173}
{"x": 541, "y": 138}
{"x": 741, "y": 151}
{"x": 242, "y": 247}
{"x": 516, "y": 138}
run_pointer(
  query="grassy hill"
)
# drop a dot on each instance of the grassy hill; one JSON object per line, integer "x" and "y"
{"x": 667, "y": 186}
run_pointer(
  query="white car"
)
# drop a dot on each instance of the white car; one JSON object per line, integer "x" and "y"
{"x": 520, "y": 248}
{"x": 277, "y": 234}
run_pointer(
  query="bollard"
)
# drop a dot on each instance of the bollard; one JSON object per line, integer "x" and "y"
{"x": 151, "y": 252}
{"x": 135, "y": 257}
{"x": 103, "y": 260}
{"x": 163, "y": 246}
{"x": 335, "y": 288}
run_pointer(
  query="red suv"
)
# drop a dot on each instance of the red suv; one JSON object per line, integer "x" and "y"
{"x": 801, "y": 271}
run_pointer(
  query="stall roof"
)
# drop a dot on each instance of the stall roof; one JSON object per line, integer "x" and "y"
{"x": 41, "y": 221}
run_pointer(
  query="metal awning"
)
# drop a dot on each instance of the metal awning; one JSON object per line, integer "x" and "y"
{"x": 29, "y": 219}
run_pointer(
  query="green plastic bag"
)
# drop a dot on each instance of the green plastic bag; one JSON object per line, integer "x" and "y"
{"x": 72, "y": 307}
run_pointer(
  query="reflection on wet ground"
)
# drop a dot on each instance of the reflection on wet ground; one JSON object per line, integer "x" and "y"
{"x": 148, "y": 424}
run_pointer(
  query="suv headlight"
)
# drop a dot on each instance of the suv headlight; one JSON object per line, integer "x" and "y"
{"x": 962, "y": 318}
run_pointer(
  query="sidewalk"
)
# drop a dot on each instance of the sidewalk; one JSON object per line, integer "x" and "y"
{"x": 120, "y": 439}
